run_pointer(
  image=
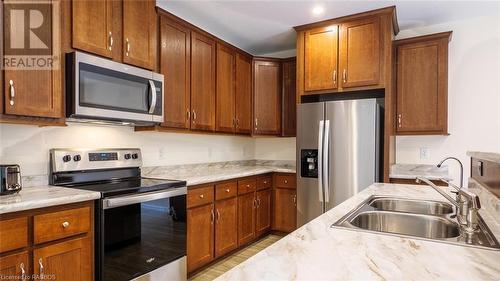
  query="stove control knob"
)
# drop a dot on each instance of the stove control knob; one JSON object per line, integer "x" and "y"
{"x": 135, "y": 156}
{"x": 77, "y": 157}
{"x": 66, "y": 158}
{"x": 127, "y": 156}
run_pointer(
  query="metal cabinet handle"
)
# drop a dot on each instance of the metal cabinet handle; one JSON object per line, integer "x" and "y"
{"x": 335, "y": 77}
{"x": 194, "y": 115}
{"x": 23, "y": 271}
{"x": 202, "y": 195}
{"x": 237, "y": 123}
{"x": 344, "y": 75}
{"x": 400, "y": 116}
{"x": 218, "y": 215}
{"x": 40, "y": 263}
{"x": 254, "y": 203}
{"x": 127, "y": 47}
{"x": 212, "y": 216}
{"x": 12, "y": 92}
{"x": 188, "y": 114}
{"x": 295, "y": 200}
{"x": 110, "y": 41}
{"x": 65, "y": 224}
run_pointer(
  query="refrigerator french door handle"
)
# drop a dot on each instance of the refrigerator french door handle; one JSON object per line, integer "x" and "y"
{"x": 320, "y": 160}
{"x": 326, "y": 161}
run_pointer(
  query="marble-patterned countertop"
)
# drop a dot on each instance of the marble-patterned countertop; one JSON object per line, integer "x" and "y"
{"x": 411, "y": 171}
{"x": 214, "y": 172}
{"x": 316, "y": 251}
{"x": 44, "y": 196}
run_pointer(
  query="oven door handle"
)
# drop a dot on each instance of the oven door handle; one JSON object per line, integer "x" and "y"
{"x": 153, "y": 97}
{"x": 140, "y": 198}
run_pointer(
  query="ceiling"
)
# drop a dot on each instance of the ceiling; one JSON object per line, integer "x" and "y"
{"x": 263, "y": 27}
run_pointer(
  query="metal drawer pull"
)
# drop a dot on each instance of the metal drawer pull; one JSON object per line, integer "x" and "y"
{"x": 286, "y": 181}
{"x": 201, "y": 195}
{"x": 227, "y": 190}
{"x": 41, "y": 267}
{"x": 65, "y": 224}
{"x": 248, "y": 185}
{"x": 12, "y": 92}
{"x": 23, "y": 271}
{"x": 140, "y": 198}
{"x": 265, "y": 182}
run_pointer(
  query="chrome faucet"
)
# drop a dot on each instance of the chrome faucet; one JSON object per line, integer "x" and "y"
{"x": 467, "y": 204}
{"x": 461, "y": 168}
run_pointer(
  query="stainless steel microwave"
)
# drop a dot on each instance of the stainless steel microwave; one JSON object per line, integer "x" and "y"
{"x": 101, "y": 89}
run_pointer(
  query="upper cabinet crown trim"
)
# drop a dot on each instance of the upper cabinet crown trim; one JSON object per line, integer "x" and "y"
{"x": 435, "y": 36}
{"x": 381, "y": 11}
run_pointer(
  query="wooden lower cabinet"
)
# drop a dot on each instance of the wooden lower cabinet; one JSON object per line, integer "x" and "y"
{"x": 226, "y": 226}
{"x": 69, "y": 260}
{"x": 200, "y": 236}
{"x": 285, "y": 209}
{"x": 262, "y": 212}
{"x": 246, "y": 218}
{"x": 14, "y": 267}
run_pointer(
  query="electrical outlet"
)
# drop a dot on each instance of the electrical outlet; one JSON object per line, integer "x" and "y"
{"x": 424, "y": 153}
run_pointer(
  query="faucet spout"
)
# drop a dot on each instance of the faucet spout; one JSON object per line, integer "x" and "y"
{"x": 438, "y": 189}
{"x": 461, "y": 168}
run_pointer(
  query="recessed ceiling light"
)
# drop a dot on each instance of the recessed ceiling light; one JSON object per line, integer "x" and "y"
{"x": 318, "y": 10}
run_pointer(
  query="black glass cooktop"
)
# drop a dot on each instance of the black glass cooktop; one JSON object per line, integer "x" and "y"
{"x": 125, "y": 186}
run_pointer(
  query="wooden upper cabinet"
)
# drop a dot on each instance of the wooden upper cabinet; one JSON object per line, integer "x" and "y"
{"x": 202, "y": 82}
{"x": 243, "y": 94}
{"x": 267, "y": 98}
{"x": 200, "y": 236}
{"x": 226, "y": 226}
{"x": 225, "y": 108}
{"x": 320, "y": 58}
{"x": 70, "y": 260}
{"x": 92, "y": 27}
{"x": 139, "y": 33}
{"x": 175, "y": 65}
{"x": 360, "y": 52}
{"x": 263, "y": 212}
{"x": 422, "y": 84}
{"x": 34, "y": 92}
{"x": 289, "y": 104}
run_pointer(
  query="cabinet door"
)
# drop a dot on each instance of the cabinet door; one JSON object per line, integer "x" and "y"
{"x": 289, "y": 100}
{"x": 226, "y": 226}
{"x": 360, "y": 53}
{"x": 321, "y": 59}
{"x": 246, "y": 218}
{"x": 14, "y": 267}
{"x": 243, "y": 94}
{"x": 285, "y": 209}
{"x": 139, "y": 33}
{"x": 263, "y": 213}
{"x": 267, "y": 98}
{"x": 225, "y": 120}
{"x": 68, "y": 261}
{"x": 421, "y": 88}
{"x": 202, "y": 82}
{"x": 175, "y": 65}
{"x": 34, "y": 92}
{"x": 200, "y": 236}
{"x": 92, "y": 27}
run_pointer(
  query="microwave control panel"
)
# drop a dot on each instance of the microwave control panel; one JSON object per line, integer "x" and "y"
{"x": 309, "y": 163}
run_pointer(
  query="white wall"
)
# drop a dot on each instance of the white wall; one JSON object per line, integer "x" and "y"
{"x": 275, "y": 148}
{"x": 29, "y": 145}
{"x": 473, "y": 95}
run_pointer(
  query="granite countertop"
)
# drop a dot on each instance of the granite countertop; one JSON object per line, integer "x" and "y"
{"x": 411, "y": 171}
{"x": 316, "y": 251}
{"x": 44, "y": 196}
{"x": 214, "y": 172}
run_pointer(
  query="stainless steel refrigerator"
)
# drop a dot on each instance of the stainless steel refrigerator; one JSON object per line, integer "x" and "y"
{"x": 339, "y": 144}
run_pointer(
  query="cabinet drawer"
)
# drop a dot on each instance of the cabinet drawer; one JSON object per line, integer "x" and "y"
{"x": 286, "y": 181}
{"x": 13, "y": 234}
{"x": 264, "y": 182}
{"x": 225, "y": 190}
{"x": 246, "y": 186}
{"x": 57, "y": 225}
{"x": 200, "y": 196}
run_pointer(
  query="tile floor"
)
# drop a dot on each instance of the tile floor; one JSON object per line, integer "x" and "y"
{"x": 225, "y": 264}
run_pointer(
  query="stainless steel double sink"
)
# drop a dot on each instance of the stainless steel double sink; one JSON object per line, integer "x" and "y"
{"x": 423, "y": 219}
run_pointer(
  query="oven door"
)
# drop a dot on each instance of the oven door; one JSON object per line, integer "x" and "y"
{"x": 141, "y": 233}
{"x": 104, "y": 89}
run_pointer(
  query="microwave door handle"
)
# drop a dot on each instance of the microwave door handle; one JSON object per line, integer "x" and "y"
{"x": 119, "y": 201}
{"x": 153, "y": 97}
